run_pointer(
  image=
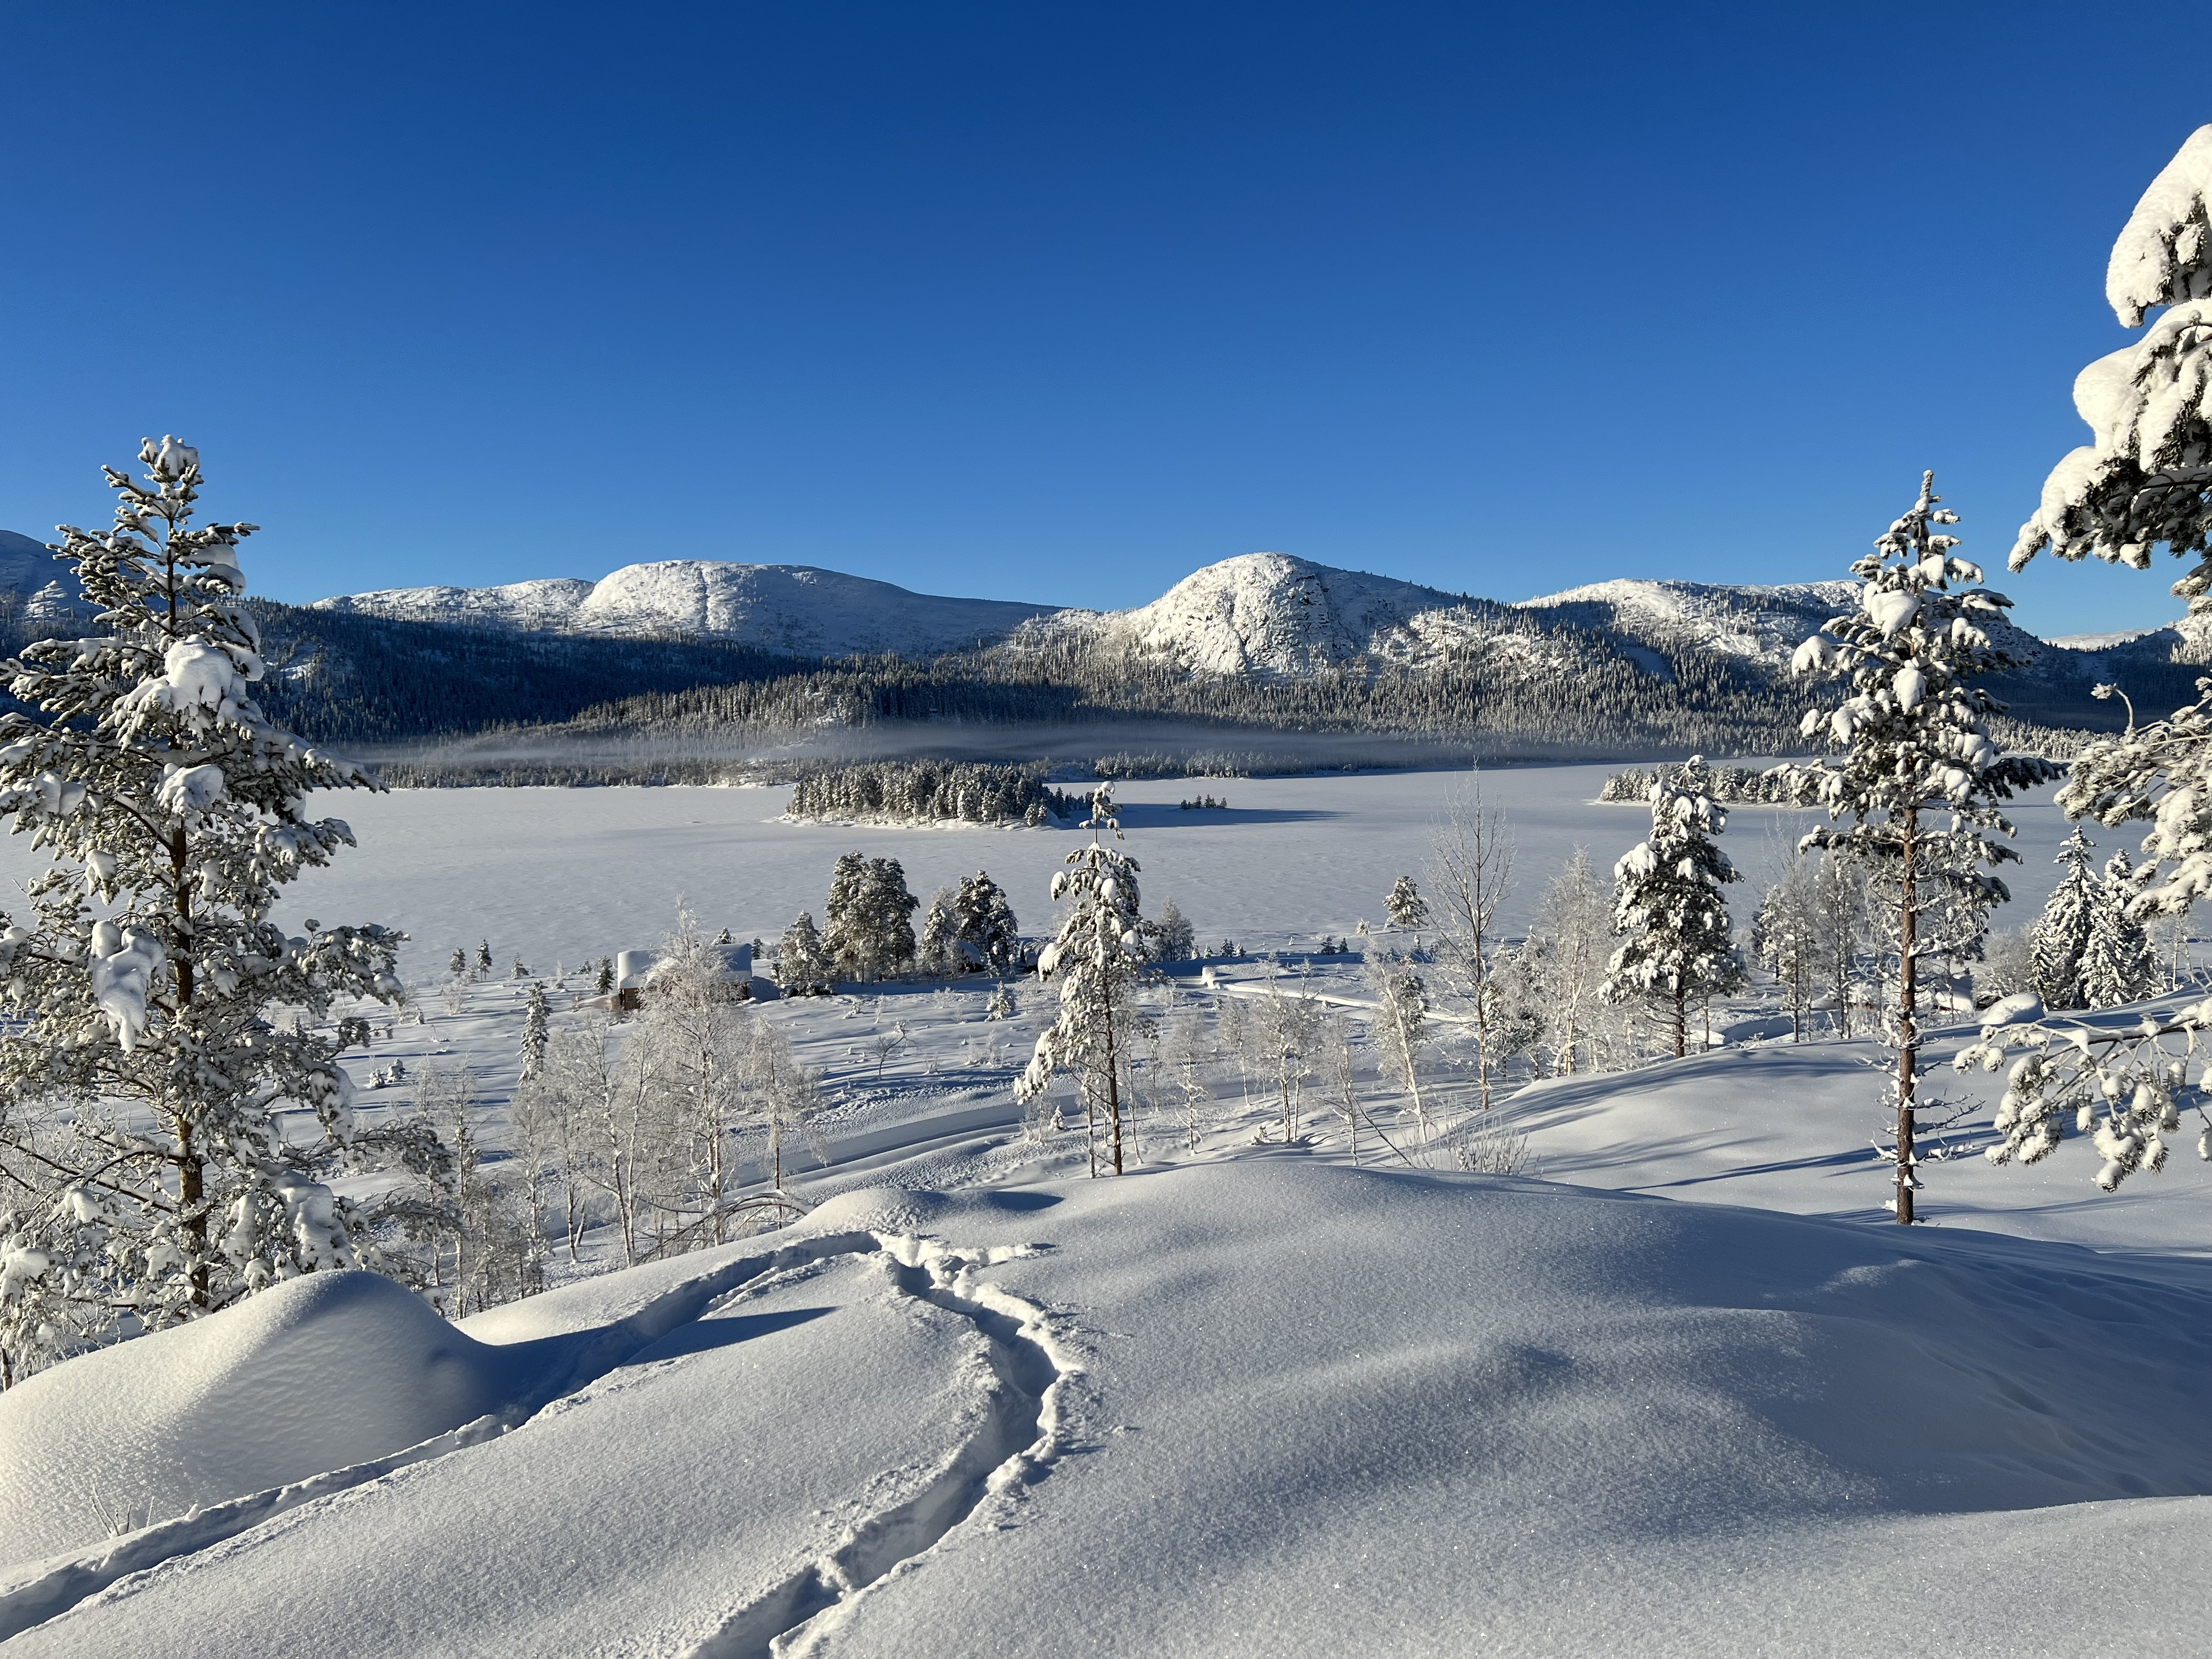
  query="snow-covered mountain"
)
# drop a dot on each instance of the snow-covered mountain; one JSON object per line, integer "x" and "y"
{"x": 28, "y": 569}
{"x": 1266, "y": 614}
{"x": 789, "y": 608}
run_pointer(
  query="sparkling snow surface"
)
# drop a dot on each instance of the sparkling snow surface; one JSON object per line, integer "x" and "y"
{"x": 1688, "y": 1392}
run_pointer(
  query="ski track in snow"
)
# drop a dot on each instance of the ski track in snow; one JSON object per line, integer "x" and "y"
{"x": 1020, "y": 1440}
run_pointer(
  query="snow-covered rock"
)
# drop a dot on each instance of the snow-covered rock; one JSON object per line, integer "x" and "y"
{"x": 779, "y": 607}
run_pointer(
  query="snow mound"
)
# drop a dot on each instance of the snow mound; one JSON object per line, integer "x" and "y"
{"x": 778, "y": 607}
{"x": 324, "y": 1371}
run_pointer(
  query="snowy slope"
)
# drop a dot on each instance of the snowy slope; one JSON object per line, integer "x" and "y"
{"x": 1287, "y": 1408}
{"x": 1763, "y": 624}
{"x": 789, "y": 608}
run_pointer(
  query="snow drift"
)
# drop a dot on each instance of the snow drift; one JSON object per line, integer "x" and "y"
{"x": 1317, "y": 1410}
{"x": 321, "y": 1372}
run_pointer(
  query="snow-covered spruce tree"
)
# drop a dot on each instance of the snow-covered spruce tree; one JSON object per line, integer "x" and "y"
{"x": 985, "y": 919}
{"x": 1098, "y": 959}
{"x": 2145, "y": 479}
{"x": 1679, "y": 948}
{"x": 536, "y": 1030}
{"x": 803, "y": 968}
{"x": 139, "y": 987}
{"x": 1919, "y": 776}
{"x": 869, "y": 928}
{"x": 1172, "y": 938}
{"x": 2117, "y": 963}
{"x": 935, "y": 954}
{"x": 1405, "y": 907}
{"x": 2060, "y": 937}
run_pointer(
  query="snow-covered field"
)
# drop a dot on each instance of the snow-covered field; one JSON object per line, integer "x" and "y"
{"x": 1679, "y": 1389}
{"x": 571, "y": 875}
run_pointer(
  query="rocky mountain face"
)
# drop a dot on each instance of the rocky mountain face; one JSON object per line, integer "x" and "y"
{"x": 793, "y": 610}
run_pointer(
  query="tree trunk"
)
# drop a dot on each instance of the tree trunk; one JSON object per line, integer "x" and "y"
{"x": 1907, "y": 1032}
{"x": 1113, "y": 1091}
{"x": 1681, "y": 1021}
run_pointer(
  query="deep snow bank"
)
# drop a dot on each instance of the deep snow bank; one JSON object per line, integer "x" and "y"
{"x": 1309, "y": 1410}
{"x": 324, "y": 1371}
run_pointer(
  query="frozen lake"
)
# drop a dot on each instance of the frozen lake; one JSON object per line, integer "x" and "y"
{"x": 571, "y": 875}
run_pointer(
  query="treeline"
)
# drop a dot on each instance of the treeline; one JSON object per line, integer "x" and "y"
{"x": 928, "y": 791}
{"x": 1592, "y": 699}
{"x": 340, "y": 679}
{"x": 1729, "y": 784}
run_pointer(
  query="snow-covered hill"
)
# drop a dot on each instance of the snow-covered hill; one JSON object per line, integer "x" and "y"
{"x": 1265, "y": 614}
{"x": 790, "y": 608}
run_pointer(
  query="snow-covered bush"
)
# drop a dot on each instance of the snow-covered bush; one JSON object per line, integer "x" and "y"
{"x": 145, "y": 1177}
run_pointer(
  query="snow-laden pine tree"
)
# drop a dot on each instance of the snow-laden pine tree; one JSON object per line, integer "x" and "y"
{"x": 987, "y": 921}
{"x": 2117, "y": 963}
{"x": 2060, "y": 937}
{"x": 1678, "y": 947}
{"x": 869, "y": 927}
{"x": 1098, "y": 959}
{"x": 1919, "y": 776}
{"x": 536, "y": 1030}
{"x": 934, "y": 954}
{"x": 1173, "y": 938}
{"x": 803, "y": 968}
{"x": 1405, "y": 906}
{"x": 145, "y": 1174}
{"x": 2145, "y": 479}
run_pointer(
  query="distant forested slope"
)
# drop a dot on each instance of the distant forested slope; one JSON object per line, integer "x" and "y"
{"x": 372, "y": 680}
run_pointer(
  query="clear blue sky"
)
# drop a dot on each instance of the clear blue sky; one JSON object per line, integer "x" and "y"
{"x": 1060, "y": 302}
